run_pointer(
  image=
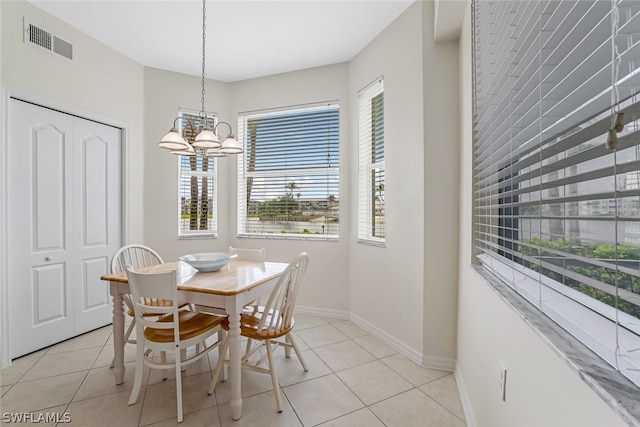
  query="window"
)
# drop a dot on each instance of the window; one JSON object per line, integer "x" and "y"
{"x": 557, "y": 213}
{"x": 371, "y": 190}
{"x": 289, "y": 183}
{"x": 197, "y": 202}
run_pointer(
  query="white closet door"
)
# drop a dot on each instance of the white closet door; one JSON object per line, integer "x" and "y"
{"x": 64, "y": 223}
{"x": 96, "y": 212}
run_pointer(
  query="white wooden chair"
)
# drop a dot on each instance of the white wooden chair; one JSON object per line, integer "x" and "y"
{"x": 257, "y": 255}
{"x": 175, "y": 331}
{"x": 270, "y": 325}
{"x": 138, "y": 256}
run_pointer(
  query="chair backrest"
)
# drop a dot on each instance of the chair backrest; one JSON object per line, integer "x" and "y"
{"x": 147, "y": 287}
{"x": 282, "y": 299}
{"x": 249, "y": 254}
{"x": 137, "y": 256}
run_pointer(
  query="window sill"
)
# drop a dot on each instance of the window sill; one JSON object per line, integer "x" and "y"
{"x": 197, "y": 236}
{"x": 380, "y": 244}
{"x": 275, "y": 236}
{"x": 615, "y": 389}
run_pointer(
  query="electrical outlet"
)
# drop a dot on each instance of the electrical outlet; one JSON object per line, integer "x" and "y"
{"x": 502, "y": 380}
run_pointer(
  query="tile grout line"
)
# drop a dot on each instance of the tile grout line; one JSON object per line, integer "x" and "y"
{"x": 425, "y": 393}
{"x": 312, "y": 351}
{"x": 75, "y": 393}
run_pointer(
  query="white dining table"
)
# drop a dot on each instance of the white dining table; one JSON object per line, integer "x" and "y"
{"x": 231, "y": 288}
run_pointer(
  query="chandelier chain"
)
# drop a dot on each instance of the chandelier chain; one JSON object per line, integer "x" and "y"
{"x": 204, "y": 36}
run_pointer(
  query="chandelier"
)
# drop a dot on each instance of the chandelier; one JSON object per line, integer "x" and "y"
{"x": 207, "y": 142}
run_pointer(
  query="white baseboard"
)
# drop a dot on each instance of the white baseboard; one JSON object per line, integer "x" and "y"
{"x": 435, "y": 362}
{"x": 464, "y": 397}
{"x": 323, "y": 312}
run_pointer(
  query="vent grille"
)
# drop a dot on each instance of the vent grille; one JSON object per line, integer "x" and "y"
{"x": 37, "y": 36}
{"x": 62, "y": 47}
{"x": 40, "y": 37}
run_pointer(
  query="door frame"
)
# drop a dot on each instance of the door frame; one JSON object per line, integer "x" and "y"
{"x": 7, "y": 92}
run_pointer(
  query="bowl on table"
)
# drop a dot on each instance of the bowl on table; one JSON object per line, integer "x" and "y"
{"x": 208, "y": 261}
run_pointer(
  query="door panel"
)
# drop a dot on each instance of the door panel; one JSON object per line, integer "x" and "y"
{"x": 64, "y": 224}
{"x": 49, "y": 290}
{"x": 93, "y": 289}
{"x": 39, "y": 189}
{"x": 97, "y": 208}
{"x": 95, "y": 191}
{"x": 48, "y": 186}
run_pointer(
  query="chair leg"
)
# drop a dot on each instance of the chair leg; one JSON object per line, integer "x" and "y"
{"x": 222, "y": 353}
{"x": 287, "y": 348}
{"x": 219, "y": 365}
{"x": 163, "y": 360}
{"x": 137, "y": 381}
{"x": 183, "y": 356}
{"x": 178, "y": 363}
{"x": 248, "y": 349}
{"x": 274, "y": 376}
{"x": 126, "y": 339}
{"x": 293, "y": 343}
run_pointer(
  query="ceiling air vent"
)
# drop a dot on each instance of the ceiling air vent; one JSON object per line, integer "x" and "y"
{"x": 37, "y": 36}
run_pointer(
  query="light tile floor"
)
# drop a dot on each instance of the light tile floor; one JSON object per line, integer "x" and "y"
{"x": 354, "y": 379}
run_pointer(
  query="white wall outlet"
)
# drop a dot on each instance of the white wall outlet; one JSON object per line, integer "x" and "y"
{"x": 502, "y": 380}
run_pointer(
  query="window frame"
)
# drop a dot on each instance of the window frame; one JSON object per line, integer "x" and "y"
{"x": 332, "y": 170}
{"x": 211, "y": 175}
{"x": 371, "y": 170}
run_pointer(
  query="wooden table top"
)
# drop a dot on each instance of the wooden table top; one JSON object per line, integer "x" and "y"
{"x": 236, "y": 277}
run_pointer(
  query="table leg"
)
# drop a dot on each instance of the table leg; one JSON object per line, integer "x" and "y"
{"x": 235, "y": 362}
{"x": 118, "y": 334}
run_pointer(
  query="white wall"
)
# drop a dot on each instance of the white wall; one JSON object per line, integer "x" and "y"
{"x": 441, "y": 186}
{"x": 390, "y": 280}
{"x": 417, "y": 269}
{"x": 164, "y": 93}
{"x": 541, "y": 389}
{"x": 102, "y": 85}
{"x": 326, "y": 285}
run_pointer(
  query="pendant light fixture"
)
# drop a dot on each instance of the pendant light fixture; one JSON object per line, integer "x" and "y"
{"x": 206, "y": 143}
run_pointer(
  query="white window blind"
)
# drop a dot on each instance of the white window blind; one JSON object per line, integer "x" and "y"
{"x": 557, "y": 214}
{"x": 288, "y": 175}
{"x": 197, "y": 201}
{"x": 371, "y": 175}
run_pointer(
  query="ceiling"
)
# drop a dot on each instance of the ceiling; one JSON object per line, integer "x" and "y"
{"x": 244, "y": 39}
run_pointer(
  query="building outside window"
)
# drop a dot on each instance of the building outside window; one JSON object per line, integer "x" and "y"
{"x": 288, "y": 175}
{"x": 371, "y": 172}
{"x": 197, "y": 193}
{"x": 557, "y": 207}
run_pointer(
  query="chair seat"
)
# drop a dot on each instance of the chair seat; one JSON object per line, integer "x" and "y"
{"x": 249, "y": 320}
{"x": 157, "y": 303}
{"x": 192, "y": 324}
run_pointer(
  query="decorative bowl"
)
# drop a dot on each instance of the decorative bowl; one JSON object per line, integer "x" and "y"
{"x": 209, "y": 261}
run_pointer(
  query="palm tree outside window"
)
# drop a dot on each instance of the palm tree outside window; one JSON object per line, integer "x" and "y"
{"x": 197, "y": 201}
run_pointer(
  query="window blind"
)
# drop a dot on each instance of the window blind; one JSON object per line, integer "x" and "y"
{"x": 289, "y": 183}
{"x": 557, "y": 214}
{"x": 371, "y": 171}
{"x": 197, "y": 201}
